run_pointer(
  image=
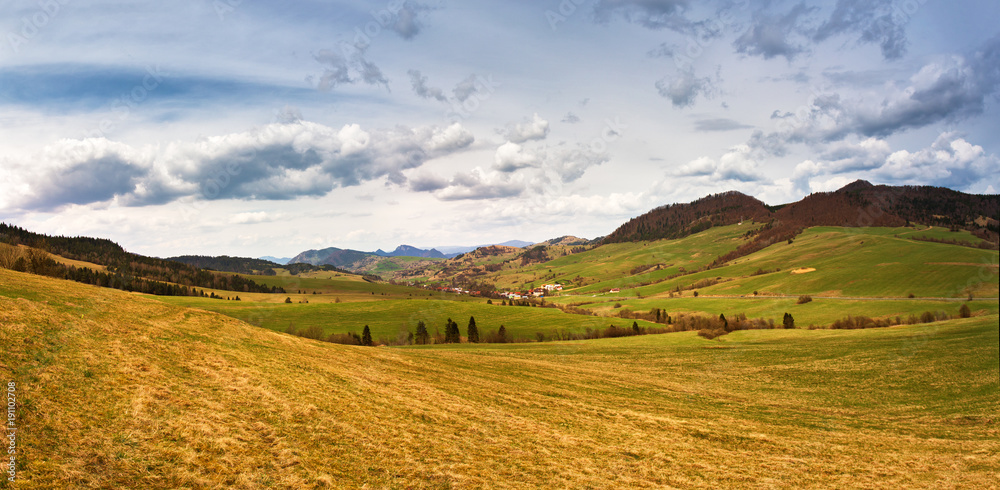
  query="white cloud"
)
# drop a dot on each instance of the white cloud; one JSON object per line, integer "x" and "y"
{"x": 253, "y": 218}
{"x": 535, "y": 129}
{"x": 510, "y": 157}
{"x": 736, "y": 164}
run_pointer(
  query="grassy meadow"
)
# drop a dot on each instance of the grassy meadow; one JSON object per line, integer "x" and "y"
{"x": 120, "y": 390}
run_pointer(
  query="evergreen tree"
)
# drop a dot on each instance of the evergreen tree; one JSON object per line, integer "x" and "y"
{"x": 502, "y": 334}
{"x": 422, "y": 337}
{"x": 473, "y": 332}
{"x": 635, "y": 327}
{"x": 787, "y": 321}
{"x": 964, "y": 311}
{"x": 725, "y": 323}
{"x": 451, "y": 333}
{"x": 366, "y": 337}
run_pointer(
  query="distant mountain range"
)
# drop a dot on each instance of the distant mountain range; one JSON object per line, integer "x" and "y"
{"x": 276, "y": 260}
{"x": 347, "y": 258}
{"x": 408, "y": 251}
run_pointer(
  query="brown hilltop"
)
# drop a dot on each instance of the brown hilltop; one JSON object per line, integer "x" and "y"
{"x": 680, "y": 220}
{"x": 858, "y": 204}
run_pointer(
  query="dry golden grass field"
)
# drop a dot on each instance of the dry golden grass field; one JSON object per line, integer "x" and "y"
{"x": 118, "y": 390}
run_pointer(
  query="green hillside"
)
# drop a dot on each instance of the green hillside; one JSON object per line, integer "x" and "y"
{"x": 118, "y": 390}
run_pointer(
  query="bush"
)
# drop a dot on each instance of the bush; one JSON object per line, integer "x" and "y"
{"x": 803, "y": 300}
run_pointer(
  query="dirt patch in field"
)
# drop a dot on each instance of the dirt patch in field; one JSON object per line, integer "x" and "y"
{"x": 803, "y": 270}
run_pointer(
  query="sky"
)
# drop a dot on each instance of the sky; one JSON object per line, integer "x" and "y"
{"x": 251, "y": 127}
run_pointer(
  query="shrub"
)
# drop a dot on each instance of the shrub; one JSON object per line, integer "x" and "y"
{"x": 803, "y": 300}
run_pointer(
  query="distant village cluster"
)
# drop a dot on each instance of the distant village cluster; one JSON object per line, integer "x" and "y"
{"x": 531, "y": 293}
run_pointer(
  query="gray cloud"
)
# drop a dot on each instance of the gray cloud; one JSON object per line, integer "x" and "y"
{"x": 419, "y": 83}
{"x": 876, "y": 21}
{"x": 947, "y": 90}
{"x": 652, "y": 14}
{"x": 341, "y": 63}
{"x": 466, "y": 88}
{"x": 427, "y": 183}
{"x": 684, "y": 89}
{"x": 570, "y": 118}
{"x": 407, "y": 24}
{"x": 275, "y": 162}
{"x": 476, "y": 186}
{"x": 768, "y": 35}
{"x": 92, "y": 180}
{"x": 720, "y": 124}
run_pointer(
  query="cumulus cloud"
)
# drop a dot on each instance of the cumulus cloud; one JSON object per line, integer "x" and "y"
{"x": 274, "y": 162}
{"x": 849, "y": 157}
{"x": 684, "y": 89}
{"x": 571, "y": 163}
{"x": 535, "y": 129}
{"x": 737, "y": 164}
{"x": 511, "y": 157}
{"x": 950, "y": 161}
{"x": 478, "y": 185}
{"x": 768, "y": 35}
{"x": 81, "y": 172}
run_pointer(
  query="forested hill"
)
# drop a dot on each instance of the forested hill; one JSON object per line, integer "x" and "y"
{"x": 247, "y": 265}
{"x": 680, "y": 220}
{"x": 239, "y": 265}
{"x": 858, "y": 204}
{"x": 125, "y": 270}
